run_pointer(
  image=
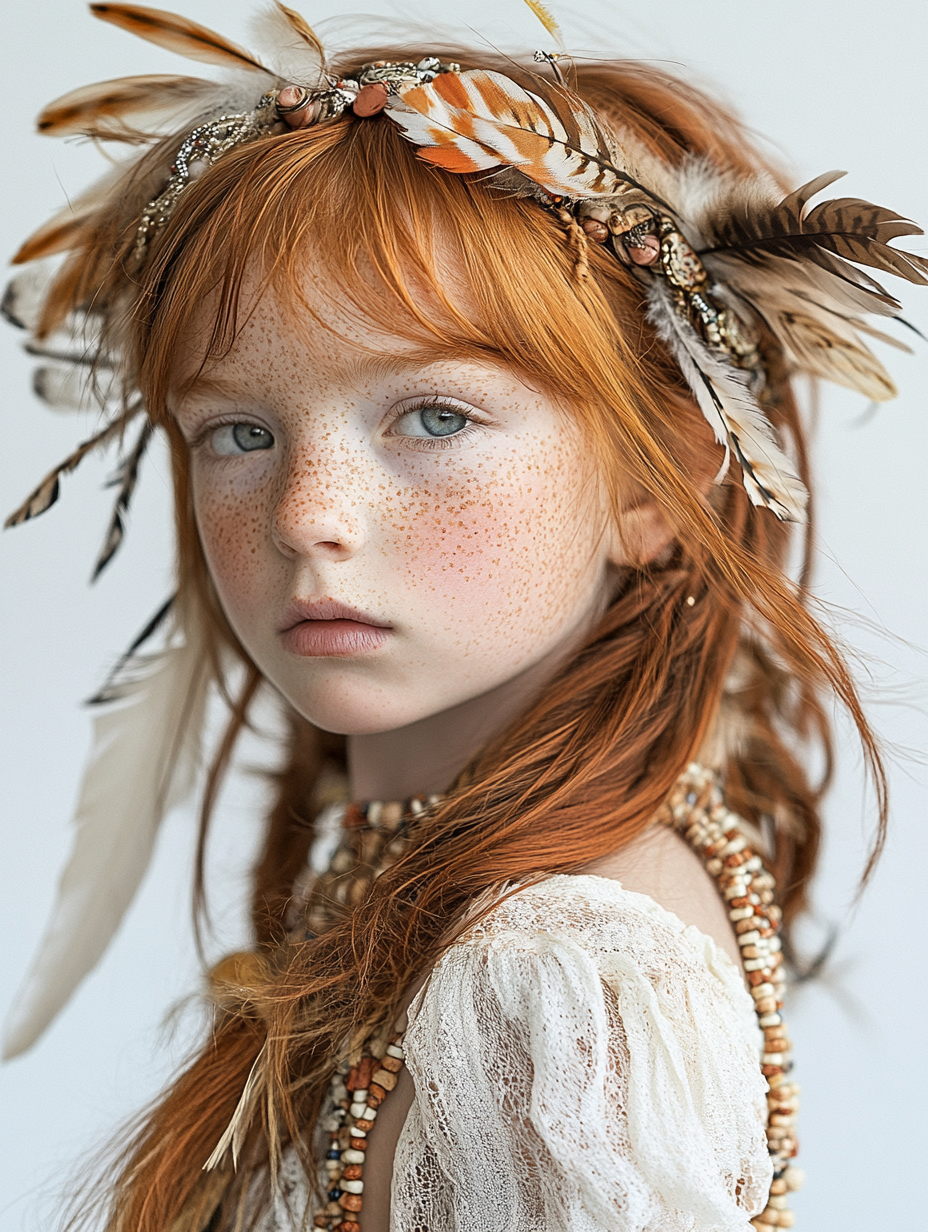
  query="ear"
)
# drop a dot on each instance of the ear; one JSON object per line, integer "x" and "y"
{"x": 640, "y": 535}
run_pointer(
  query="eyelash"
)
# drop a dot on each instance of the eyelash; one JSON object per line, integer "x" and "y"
{"x": 203, "y": 436}
{"x": 474, "y": 424}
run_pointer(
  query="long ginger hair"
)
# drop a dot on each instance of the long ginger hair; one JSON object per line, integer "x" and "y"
{"x": 713, "y": 643}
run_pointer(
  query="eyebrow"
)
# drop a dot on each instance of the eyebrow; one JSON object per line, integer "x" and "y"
{"x": 363, "y": 367}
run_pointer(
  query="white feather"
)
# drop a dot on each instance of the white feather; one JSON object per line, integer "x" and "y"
{"x": 144, "y": 762}
{"x": 731, "y": 410}
{"x": 234, "y": 1133}
{"x": 284, "y": 51}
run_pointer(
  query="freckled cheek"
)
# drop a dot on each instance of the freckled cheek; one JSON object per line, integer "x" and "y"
{"x": 233, "y": 532}
{"x": 526, "y": 551}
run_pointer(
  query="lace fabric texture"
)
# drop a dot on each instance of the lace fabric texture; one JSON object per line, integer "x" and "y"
{"x": 582, "y": 1063}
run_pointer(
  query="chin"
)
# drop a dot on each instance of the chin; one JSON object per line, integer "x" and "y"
{"x": 356, "y": 708}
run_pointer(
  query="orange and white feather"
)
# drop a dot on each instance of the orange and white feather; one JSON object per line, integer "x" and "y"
{"x": 479, "y": 120}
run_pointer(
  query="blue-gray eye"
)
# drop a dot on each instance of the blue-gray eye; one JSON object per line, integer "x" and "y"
{"x": 431, "y": 421}
{"x": 240, "y": 438}
{"x": 440, "y": 421}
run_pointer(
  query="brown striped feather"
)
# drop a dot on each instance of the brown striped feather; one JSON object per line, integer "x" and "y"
{"x": 104, "y": 109}
{"x": 177, "y": 34}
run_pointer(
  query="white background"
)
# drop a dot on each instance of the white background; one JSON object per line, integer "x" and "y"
{"x": 833, "y": 85}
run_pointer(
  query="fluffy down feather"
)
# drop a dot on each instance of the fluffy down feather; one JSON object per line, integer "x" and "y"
{"x": 290, "y": 46}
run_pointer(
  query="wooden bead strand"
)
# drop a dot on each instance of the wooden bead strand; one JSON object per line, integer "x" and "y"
{"x": 697, "y": 811}
{"x": 355, "y": 1094}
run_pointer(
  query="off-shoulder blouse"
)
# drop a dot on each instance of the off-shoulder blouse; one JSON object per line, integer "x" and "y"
{"x": 582, "y": 1062}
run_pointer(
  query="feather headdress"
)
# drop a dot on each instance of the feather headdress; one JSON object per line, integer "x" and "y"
{"x": 724, "y": 260}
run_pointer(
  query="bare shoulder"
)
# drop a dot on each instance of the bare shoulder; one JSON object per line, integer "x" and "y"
{"x": 661, "y": 864}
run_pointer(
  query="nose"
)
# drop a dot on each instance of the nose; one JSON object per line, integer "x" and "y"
{"x": 317, "y": 514}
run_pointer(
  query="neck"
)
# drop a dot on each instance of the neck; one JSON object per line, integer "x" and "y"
{"x": 425, "y": 757}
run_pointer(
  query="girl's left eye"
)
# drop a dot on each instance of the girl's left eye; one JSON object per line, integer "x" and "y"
{"x": 434, "y": 420}
{"x": 239, "y": 438}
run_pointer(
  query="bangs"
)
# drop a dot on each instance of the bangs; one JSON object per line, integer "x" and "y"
{"x": 450, "y": 263}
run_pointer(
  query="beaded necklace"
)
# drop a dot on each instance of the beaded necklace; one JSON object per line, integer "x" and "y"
{"x": 376, "y": 835}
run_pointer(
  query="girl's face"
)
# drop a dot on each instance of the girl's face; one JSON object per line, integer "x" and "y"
{"x": 390, "y": 532}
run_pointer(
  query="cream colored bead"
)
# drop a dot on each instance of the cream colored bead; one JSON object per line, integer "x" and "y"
{"x": 794, "y": 1178}
{"x": 770, "y": 1020}
{"x": 394, "y": 1050}
{"x": 358, "y": 1111}
{"x": 351, "y": 1156}
{"x": 741, "y": 913}
{"x": 777, "y": 1201}
{"x": 759, "y": 991}
{"x": 750, "y": 938}
{"x": 355, "y": 1187}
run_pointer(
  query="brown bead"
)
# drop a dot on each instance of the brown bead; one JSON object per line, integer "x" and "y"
{"x": 364, "y": 1123}
{"x": 393, "y": 1064}
{"x": 347, "y": 1225}
{"x": 320, "y": 1221}
{"x": 746, "y": 926}
{"x": 351, "y": 1202}
{"x": 353, "y": 1172}
{"x": 766, "y": 1070}
{"x": 360, "y": 1076}
{"x": 376, "y": 1091}
{"x": 595, "y": 230}
{"x": 371, "y": 99}
{"x": 648, "y": 253}
{"x": 358, "y": 1144}
{"x": 383, "y": 1078}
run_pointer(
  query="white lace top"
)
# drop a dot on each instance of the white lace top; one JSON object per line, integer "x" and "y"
{"x": 582, "y": 1063}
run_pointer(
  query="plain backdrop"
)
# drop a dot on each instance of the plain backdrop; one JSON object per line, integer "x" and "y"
{"x": 830, "y": 85}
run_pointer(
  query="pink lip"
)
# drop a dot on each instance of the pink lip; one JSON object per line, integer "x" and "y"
{"x": 325, "y": 628}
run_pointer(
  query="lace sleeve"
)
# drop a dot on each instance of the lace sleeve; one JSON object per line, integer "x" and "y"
{"x": 582, "y": 1062}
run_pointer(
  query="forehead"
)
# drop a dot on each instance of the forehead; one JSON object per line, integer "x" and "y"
{"x": 356, "y": 339}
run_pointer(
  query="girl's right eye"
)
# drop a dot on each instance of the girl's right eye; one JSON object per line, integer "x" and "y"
{"x": 239, "y": 438}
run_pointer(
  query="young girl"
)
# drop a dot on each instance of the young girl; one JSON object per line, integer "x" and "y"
{"x": 486, "y": 461}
